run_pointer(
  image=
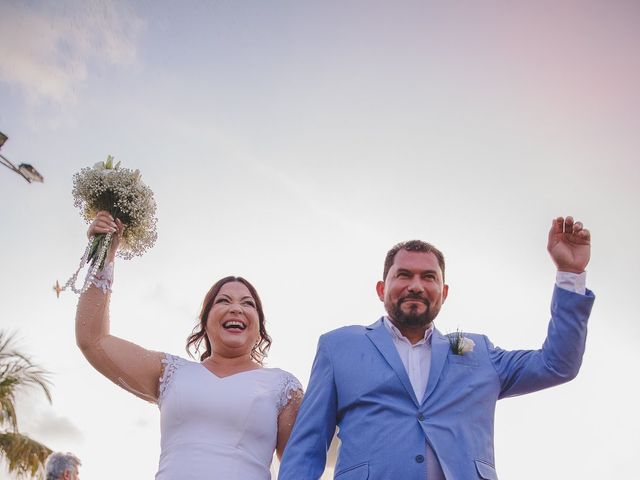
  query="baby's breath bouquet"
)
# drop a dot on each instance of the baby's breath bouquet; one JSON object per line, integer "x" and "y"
{"x": 119, "y": 191}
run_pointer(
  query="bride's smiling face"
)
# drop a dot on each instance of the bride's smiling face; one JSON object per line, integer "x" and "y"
{"x": 233, "y": 322}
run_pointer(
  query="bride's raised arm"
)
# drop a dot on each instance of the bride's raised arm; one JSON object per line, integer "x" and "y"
{"x": 128, "y": 365}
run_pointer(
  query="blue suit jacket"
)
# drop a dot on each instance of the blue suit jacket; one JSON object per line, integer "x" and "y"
{"x": 359, "y": 383}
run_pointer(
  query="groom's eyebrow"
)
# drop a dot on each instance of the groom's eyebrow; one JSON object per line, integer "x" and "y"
{"x": 409, "y": 270}
{"x": 421, "y": 272}
{"x": 430, "y": 271}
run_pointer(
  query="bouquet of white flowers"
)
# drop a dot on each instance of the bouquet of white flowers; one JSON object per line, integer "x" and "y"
{"x": 119, "y": 191}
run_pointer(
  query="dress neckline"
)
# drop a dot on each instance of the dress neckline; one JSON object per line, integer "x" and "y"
{"x": 231, "y": 375}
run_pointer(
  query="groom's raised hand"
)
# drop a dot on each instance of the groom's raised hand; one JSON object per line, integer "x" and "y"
{"x": 569, "y": 245}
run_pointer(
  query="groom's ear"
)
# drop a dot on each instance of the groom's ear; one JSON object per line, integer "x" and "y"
{"x": 380, "y": 290}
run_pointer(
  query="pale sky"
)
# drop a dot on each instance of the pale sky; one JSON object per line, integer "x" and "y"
{"x": 293, "y": 143}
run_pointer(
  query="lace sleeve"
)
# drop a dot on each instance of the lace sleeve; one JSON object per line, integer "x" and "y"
{"x": 170, "y": 363}
{"x": 290, "y": 388}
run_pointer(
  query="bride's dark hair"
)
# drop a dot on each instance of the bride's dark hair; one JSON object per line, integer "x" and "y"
{"x": 199, "y": 334}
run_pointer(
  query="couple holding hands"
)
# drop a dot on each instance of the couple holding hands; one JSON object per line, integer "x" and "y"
{"x": 409, "y": 402}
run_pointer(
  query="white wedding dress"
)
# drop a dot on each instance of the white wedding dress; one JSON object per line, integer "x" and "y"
{"x": 215, "y": 428}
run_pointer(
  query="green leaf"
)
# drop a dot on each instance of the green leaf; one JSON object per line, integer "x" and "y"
{"x": 95, "y": 246}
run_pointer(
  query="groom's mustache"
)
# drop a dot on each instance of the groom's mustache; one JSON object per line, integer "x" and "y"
{"x": 414, "y": 296}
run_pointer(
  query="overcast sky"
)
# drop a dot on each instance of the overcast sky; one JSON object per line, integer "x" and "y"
{"x": 294, "y": 142}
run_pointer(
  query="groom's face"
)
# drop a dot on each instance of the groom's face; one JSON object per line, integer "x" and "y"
{"x": 414, "y": 290}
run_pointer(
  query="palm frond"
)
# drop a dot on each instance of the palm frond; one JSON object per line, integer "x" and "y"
{"x": 25, "y": 457}
{"x": 17, "y": 371}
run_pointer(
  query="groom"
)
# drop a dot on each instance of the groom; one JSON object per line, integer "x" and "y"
{"x": 413, "y": 404}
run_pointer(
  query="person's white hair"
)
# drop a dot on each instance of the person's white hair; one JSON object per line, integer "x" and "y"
{"x": 58, "y": 463}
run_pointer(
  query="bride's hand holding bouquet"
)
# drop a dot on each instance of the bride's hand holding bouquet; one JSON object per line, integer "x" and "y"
{"x": 115, "y": 200}
{"x": 105, "y": 224}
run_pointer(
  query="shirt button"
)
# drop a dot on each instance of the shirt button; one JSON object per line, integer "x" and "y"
{"x": 420, "y": 417}
{"x": 419, "y": 458}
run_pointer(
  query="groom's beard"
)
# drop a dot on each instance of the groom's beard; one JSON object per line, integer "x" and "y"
{"x": 413, "y": 318}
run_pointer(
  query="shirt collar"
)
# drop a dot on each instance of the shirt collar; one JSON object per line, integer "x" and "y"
{"x": 398, "y": 334}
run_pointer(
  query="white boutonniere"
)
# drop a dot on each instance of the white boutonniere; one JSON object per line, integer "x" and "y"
{"x": 460, "y": 344}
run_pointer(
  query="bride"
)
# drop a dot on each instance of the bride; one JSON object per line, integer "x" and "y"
{"x": 220, "y": 418}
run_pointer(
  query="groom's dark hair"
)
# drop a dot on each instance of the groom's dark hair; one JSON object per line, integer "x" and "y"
{"x": 412, "y": 246}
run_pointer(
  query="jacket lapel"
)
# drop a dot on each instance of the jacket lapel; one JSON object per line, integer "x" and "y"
{"x": 381, "y": 338}
{"x": 439, "y": 350}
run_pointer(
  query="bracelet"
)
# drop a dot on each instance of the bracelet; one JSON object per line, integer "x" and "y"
{"x": 103, "y": 279}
